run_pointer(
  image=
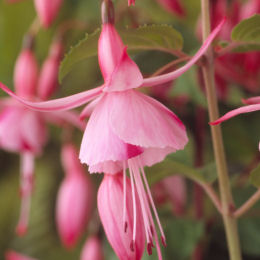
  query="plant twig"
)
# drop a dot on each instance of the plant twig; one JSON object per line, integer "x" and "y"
{"x": 247, "y": 205}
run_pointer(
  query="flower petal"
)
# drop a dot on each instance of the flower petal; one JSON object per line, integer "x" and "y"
{"x": 250, "y": 101}
{"x": 175, "y": 74}
{"x": 87, "y": 111}
{"x": 99, "y": 143}
{"x": 140, "y": 120}
{"x": 57, "y": 104}
{"x": 110, "y": 167}
{"x": 235, "y": 112}
{"x": 126, "y": 75}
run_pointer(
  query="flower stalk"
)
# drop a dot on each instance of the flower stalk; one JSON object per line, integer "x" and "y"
{"x": 230, "y": 223}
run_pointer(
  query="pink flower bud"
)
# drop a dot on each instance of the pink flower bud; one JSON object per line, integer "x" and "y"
{"x": 47, "y": 10}
{"x": 75, "y": 197}
{"x": 131, "y": 2}
{"x": 12, "y": 255}
{"x": 26, "y": 74}
{"x": 173, "y": 6}
{"x": 48, "y": 80}
{"x": 92, "y": 249}
{"x": 117, "y": 217}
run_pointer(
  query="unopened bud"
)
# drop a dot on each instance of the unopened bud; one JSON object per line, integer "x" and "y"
{"x": 107, "y": 12}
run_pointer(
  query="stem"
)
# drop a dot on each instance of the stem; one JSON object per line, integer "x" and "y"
{"x": 247, "y": 205}
{"x": 224, "y": 182}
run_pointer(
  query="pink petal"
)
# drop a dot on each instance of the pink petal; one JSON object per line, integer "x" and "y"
{"x": 126, "y": 75}
{"x": 140, "y": 120}
{"x": 235, "y": 112}
{"x": 175, "y": 74}
{"x": 150, "y": 156}
{"x": 251, "y": 101}
{"x": 12, "y": 255}
{"x": 57, "y": 104}
{"x": 99, "y": 143}
{"x": 87, "y": 111}
{"x": 111, "y": 167}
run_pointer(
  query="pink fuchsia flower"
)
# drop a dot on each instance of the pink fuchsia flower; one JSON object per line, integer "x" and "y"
{"x": 47, "y": 10}
{"x": 75, "y": 199}
{"x": 173, "y": 6}
{"x": 92, "y": 249}
{"x": 120, "y": 220}
{"x": 131, "y": 2}
{"x": 12, "y": 255}
{"x": 111, "y": 143}
{"x": 24, "y": 131}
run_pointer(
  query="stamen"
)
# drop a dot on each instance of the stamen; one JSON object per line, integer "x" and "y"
{"x": 153, "y": 205}
{"x": 124, "y": 207}
{"x": 134, "y": 203}
{"x": 163, "y": 241}
{"x": 136, "y": 175}
{"x": 149, "y": 249}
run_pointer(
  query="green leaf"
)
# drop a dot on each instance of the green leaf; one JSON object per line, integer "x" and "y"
{"x": 247, "y": 33}
{"x": 183, "y": 235}
{"x": 152, "y": 37}
{"x": 255, "y": 176}
{"x": 170, "y": 167}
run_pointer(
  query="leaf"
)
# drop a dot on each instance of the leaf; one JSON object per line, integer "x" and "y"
{"x": 255, "y": 176}
{"x": 247, "y": 33}
{"x": 170, "y": 167}
{"x": 183, "y": 235}
{"x": 187, "y": 84}
{"x": 152, "y": 37}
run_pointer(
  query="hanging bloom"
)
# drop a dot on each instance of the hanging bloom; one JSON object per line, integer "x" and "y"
{"x": 131, "y": 2}
{"x": 12, "y": 255}
{"x": 122, "y": 222}
{"x": 126, "y": 129}
{"x": 75, "y": 198}
{"x": 173, "y": 6}
{"x": 92, "y": 249}
{"x": 47, "y": 10}
{"x": 24, "y": 131}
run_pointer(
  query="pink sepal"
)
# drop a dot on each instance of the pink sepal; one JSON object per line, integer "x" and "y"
{"x": 12, "y": 255}
{"x": 57, "y": 104}
{"x": 152, "y": 81}
{"x": 125, "y": 76}
{"x": 92, "y": 249}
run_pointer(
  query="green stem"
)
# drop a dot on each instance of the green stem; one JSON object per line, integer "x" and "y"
{"x": 223, "y": 178}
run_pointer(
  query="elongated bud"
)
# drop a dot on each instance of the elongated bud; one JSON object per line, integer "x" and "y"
{"x": 26, "y": 71}
{"x": 75, "y": 197}
{"x": 117, "y": 217}
{"x": 12, "y": 255}
{"x": 48, "y": 80}
{"x": 47, "y": 10}
{"x": 92, "y": 249}
{"x": 173, "y": 6}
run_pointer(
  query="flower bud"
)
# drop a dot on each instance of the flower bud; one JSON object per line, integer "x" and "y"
{"x": 119, "y": 223}
{"x": 47, "y": 10}
{"x": 131, "y": 2}
{"x": 75, "y": 197}
{"x": 12, "y": 255}
{"x": 26, "y": 74}
{"x": 48, "y": 80}
{"x": 92, "y": 249}
{"x": 173, "y": 6}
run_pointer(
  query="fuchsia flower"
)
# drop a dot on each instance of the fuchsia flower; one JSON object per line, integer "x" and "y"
{"x": 92, "y": 249}
{"x": 75, "y": 199}
{"x": 126, "y": 129}
{"x": 123, "y": 224}
{"x": 47, "y": 10}
{"x": 131, "y": 2}
{"x": 12, "y": 255}
{"x": 24, "y": 131}
{"x": 173, "y": 6}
